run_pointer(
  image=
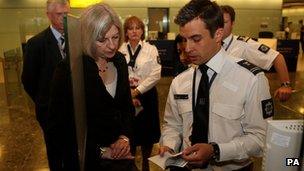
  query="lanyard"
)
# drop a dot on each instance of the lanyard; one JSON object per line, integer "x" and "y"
{"x": 133, "y": 57}
{"x": 193, "y": 86}
{"x": 229, "y": 43}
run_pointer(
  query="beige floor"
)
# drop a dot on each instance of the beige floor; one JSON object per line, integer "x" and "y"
{"x": 21, "y": 142}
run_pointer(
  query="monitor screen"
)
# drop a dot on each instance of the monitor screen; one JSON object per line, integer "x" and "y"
{"x": 282, "y": 151}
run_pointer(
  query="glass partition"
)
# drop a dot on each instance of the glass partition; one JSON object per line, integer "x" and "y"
{"x": 74, "y": 54}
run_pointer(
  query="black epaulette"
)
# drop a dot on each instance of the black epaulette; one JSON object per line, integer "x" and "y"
{"x": 243, "y": 38}
{"x": 251, "y": 67}
{"x": 253, "y": 38}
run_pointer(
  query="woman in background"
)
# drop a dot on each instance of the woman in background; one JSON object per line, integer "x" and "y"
{"x": 144, "y": 73}
{"x": 109, "y": 108}
{"x": 182, "y": 61}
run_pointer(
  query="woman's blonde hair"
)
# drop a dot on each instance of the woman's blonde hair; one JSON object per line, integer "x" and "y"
{"x": 96, "y": 20}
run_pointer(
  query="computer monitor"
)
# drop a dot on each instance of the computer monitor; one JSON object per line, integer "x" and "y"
{"x": 282, "y": 151}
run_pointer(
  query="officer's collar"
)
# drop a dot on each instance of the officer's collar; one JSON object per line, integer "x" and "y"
{"x": 227, "y": 40}
{"x": 139, "y": 43}
{"x": 217, "y": 61}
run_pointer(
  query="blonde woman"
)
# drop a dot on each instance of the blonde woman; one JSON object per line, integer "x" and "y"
{"x": 108, "y": 98}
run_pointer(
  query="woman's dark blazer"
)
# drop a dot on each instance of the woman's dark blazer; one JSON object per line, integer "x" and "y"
{"x": 107, "y": 117}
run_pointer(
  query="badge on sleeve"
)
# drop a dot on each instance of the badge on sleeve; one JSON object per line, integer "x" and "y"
{"x": 268, "y": 108}
{"x": 181, "y": 96}
{"x": 158, "y": 60}
{"x": 263, "y": 48}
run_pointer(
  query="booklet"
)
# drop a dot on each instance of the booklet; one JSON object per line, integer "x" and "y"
{"x": 169, "y": 160}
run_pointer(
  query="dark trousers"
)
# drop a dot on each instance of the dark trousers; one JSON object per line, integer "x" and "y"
{"x": 53, "y": 151}
{"x": 61, "y": 147}
{"x": 146, "y": 153}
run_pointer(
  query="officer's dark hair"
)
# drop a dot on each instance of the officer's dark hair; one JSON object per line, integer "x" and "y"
{"x": 229, "y": 10}
{"x": 209, "y": 12}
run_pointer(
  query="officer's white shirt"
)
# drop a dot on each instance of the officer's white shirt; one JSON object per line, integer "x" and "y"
{"x": 146, "y": 69}
{"x": 248, "y": 49}
{"x": 236, "y": 118}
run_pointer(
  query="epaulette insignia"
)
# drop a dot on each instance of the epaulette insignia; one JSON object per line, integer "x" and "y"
{"x": 251, "y": 67}
{"x": 263, "y": 48}
{"x": 243, "y": 38}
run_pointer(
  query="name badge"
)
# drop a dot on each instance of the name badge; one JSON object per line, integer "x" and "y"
{"x": 181, "y": 96}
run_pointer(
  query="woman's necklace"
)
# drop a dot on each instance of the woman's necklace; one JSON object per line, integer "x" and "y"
{"x": 102, "y": 65}
{"x": 103, "y": 70}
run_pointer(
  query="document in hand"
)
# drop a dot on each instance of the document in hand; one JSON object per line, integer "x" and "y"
{"x": 169, "y": 160}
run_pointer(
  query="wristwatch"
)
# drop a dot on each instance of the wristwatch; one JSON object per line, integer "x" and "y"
{"x": 137, "y": 91}
{"x": 216, "y": 151}
{"x": 286, "y": 84}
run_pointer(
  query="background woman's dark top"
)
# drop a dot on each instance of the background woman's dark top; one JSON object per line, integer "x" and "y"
{"x": 107, "y": 117}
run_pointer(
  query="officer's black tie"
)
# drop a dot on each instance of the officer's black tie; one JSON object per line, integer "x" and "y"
{"x": 201, "y": 110}
{"x": 133, "y": 57}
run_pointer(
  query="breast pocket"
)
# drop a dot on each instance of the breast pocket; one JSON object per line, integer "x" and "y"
{"x": 225, "y": 122}
{"x": 184, "y": 106}
{"x": 225, "y": 111}
{"x": 143, "y": 67}
{"x": 185, "y": 112}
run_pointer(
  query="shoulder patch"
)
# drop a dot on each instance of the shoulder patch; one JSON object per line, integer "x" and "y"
{"x": 263, "y": 48}
{"x": 251, "y": 67}
{"x": 268, "y": 108}
{"x": 243, "y": 38}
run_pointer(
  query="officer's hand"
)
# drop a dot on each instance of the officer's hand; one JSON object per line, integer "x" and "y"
{"x": 163, "y": 149}
{"x": 198, "y": 154}
{"x": 283, "y": 93}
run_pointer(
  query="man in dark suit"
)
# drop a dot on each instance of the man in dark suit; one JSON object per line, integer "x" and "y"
{"x": 43, "y": 53}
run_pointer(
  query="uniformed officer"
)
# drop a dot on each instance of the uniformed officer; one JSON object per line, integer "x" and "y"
{"x": 144, "y": 73}
{"x": 238, "y": 99}
{"x": 256, "y": 53}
